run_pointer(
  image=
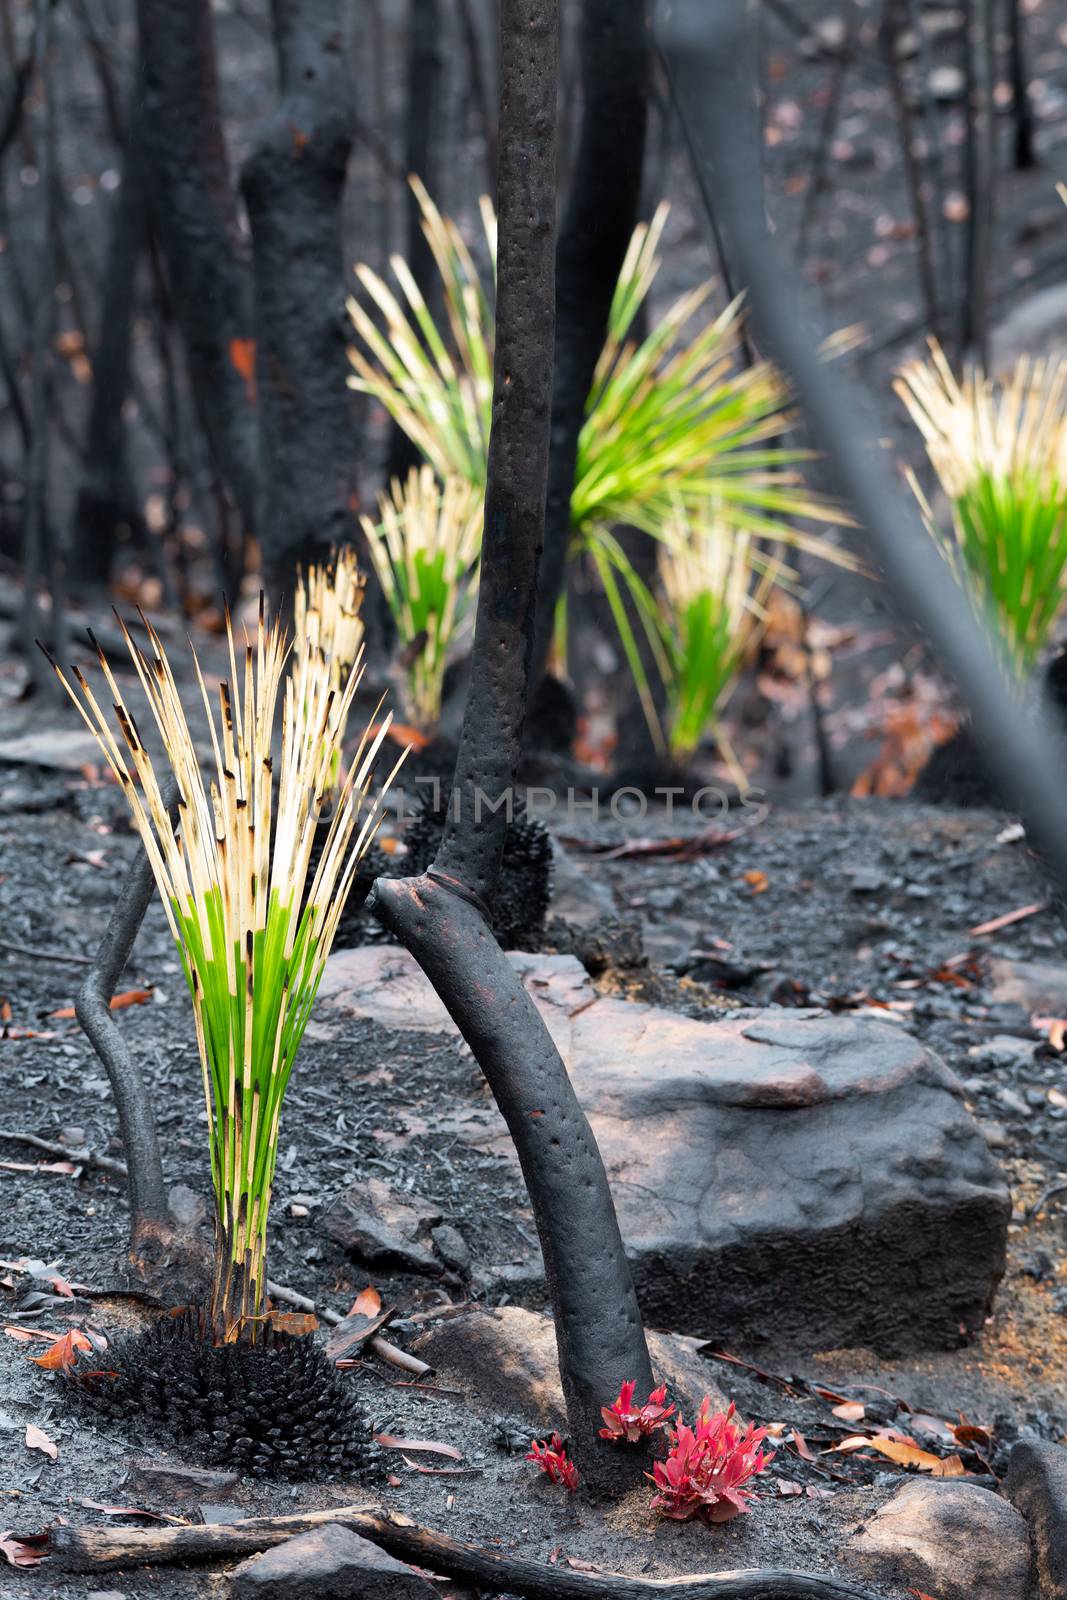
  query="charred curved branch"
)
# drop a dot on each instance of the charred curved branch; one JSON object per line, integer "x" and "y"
{"x": 102, "y": 1549}
{"x": 598, "y": 1325}
{"x": 440, "y": 917}
{"x": 293, "y": 183}
{"x": 137, "y": 1120}
{"x": 602, "y": 211}
{"x": 195, "y": 217}
{"x": 709, "y": 57}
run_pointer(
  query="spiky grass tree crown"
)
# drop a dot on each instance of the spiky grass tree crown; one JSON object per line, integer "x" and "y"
{"x": 1000, "y": 455}
{"x": 327, "y": 614}
{"x": 714, "y": 595}
{"x": 425, "y": 548}
{"x": 232, "y": 875}
{"x": 669, "y": 417}
{"x": 328, "y": 607}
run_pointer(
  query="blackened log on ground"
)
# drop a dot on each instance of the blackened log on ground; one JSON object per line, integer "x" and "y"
{"x": 194, "y": 213}
{"x": 293, "y": 183}
{"x": 601, "y": 213}
{"x": 440, "y": 917}
{"x": 103, "y": 1549}
{"x": 709, "y": 53}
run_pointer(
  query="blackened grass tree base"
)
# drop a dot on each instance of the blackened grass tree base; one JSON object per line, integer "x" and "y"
{"x": 441, "y": 916}
{"x": 523, "y": 889}
{"x": 275, "y": 1409}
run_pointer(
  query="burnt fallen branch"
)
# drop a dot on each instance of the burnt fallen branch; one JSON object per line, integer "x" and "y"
{"x": 103, "y": 1549}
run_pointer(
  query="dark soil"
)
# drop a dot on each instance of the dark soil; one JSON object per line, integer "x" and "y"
{"x": 849, "y": 904}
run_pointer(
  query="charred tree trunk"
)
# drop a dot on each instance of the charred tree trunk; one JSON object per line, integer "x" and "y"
{"x": 105, "y": 501}
{"x": 423, "y": 133}
{"x": 440, "y": 917}
{"x": 293, "y": 183}
{"x": 40, "y": 556}
{"x": 195, "y": 217}
{"x": 601, "y": 214}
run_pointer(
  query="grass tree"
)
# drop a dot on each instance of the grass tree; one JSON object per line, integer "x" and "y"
{"x": 710, "y": 617}
{"x": 671, "y": 417}
{"x": 425, "y": 548}
{"x": 232, "y": 873}
{"x": 672, "y": 420}
{"x": 1000, "y": 455}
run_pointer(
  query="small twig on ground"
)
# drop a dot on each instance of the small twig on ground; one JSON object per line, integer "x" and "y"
{"x": 43, "y": 955}
{"x": 1047, "y": 1194}
{"x": 381, "y": 1347}
{"x": 82, "y": 1157}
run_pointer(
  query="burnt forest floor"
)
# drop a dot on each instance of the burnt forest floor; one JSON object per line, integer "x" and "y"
{"x": 852, "y": 904}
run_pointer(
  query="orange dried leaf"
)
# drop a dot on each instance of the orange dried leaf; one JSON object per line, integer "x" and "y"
{"x": 368, "y": 1303}
{"x": 118, "y": 1002}
{"x": 850, "y": 1411}
{"x": 756, "y": 880}
{"x": 295, "y": 1323}
{"x": 20, "y": 1553}
{"x": 62, "y": 1355}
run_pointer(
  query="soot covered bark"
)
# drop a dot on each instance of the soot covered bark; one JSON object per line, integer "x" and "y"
{"x": 440, "y": 916}
{"x": 601, "y": 214}
{"x": 292, "y": 184}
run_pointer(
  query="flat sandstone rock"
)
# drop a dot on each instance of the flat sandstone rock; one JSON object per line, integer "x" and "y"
{"x": 507, "y": 1360}
{"x": 788, "y": 1174}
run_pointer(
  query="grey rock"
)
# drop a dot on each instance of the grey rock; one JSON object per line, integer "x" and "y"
{"x": 950, "y": 1539}
{"x": 866, "y": 880}
{"x": 816, "y": 1177}
{"x": 509, "y": 1358}
{"x": 994, "y": 1133}
{"x": 1013, "y": 1102}
{"x": 329, "y": 1563}
{"x": 380, "y": 1228}
{"x": 1036, "y": 1485}
{"x": 160, "y": 1484}
{"x": 106, "y": 1594}
{"x": 1039, "y": 986}
{"x": 452, "y": 1247}
{"x": 1004, "y": 1050}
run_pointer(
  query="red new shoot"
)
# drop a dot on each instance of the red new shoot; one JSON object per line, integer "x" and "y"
{"x": 706, "y": 1467}
{"x": 554, "y": 1461}
{"x": 624, "y": 1420}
